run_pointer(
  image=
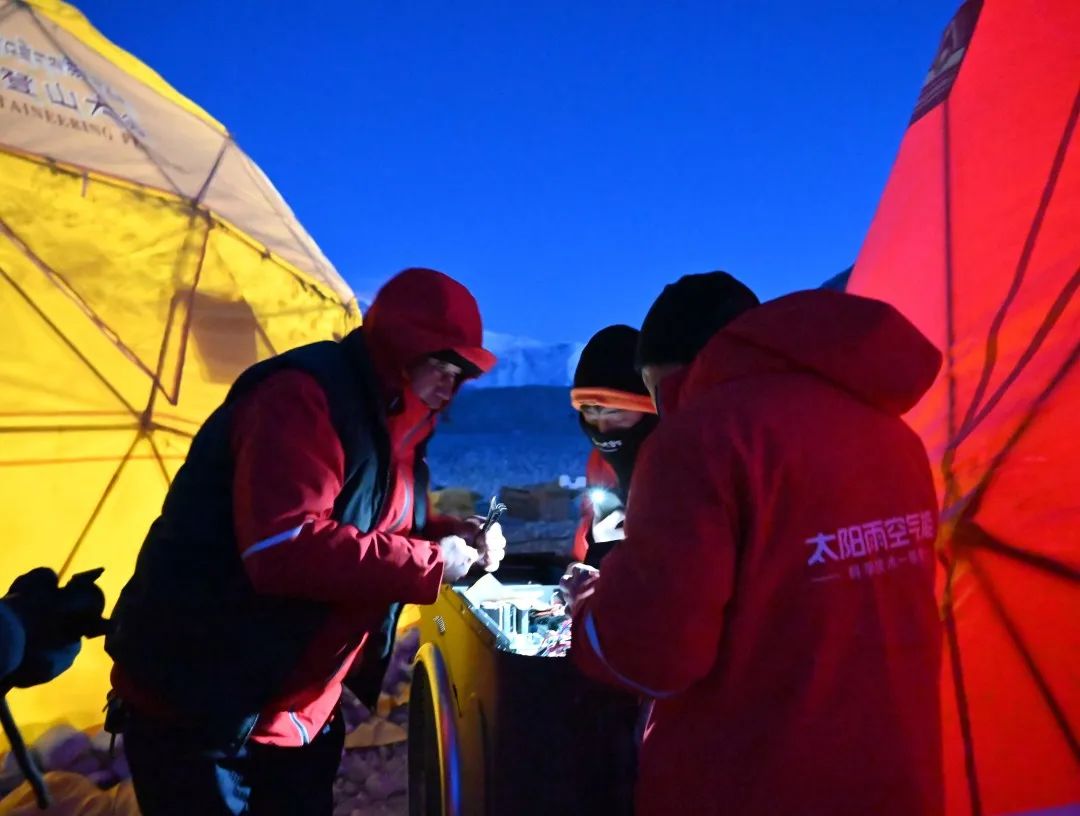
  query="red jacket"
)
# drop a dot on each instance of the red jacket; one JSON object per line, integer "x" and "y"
{"x": 774, "y": 593}
{"x": 284, "y": 428}
{"x": 288, "y": 469}
{"x": 598, "y": 473}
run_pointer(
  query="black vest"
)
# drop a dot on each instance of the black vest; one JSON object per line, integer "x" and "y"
{"x": 190, "y": 629}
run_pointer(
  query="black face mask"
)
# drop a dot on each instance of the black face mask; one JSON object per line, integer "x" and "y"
{"x": 620, "y": 447}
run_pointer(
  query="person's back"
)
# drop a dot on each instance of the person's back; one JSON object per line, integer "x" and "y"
{"x": 825, "y": 685}
{"x": 785, "y": 515}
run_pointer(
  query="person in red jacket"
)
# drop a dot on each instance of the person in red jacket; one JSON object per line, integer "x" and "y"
{"x": 774, "y": 594}
{"x": 616, "y": 414}
{"x": 297, "y": 525}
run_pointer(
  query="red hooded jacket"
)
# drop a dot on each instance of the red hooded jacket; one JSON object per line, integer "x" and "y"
{"x": 774, "y": 593}
{"x": 284, "y": 427}
{"x": 288, "y": 469}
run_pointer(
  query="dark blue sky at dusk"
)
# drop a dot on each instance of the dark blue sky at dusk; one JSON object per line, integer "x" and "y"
{"x": 563, "y": 159}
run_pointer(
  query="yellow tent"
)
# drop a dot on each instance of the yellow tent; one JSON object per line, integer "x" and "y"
{"x": 144, "y": 262}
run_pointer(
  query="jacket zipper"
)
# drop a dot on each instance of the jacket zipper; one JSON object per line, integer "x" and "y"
{"x": 410, "y": 486}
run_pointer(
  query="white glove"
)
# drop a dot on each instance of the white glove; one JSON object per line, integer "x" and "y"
{"x": 458, "y": 557}
{"x": 492, "y": 547}
{"x": 609, "y": 528}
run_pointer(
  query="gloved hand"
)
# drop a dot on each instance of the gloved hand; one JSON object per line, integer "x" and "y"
{"x": 55, "y": 620}
{"x": 491, "y": 545}
{"x": 578, "y": 578}
{"x": 12, "y": 642}
{"x": 458, "y": 558}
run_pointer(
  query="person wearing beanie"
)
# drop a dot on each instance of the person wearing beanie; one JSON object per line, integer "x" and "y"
{"x": 616, "y": 414}
{"x": 687, "y": 314}
{"x": 774, "y": 593}
{"x": 295, "y": 529}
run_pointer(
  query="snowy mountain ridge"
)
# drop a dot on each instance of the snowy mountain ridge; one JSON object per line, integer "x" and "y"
{"x": 524, "y": 361}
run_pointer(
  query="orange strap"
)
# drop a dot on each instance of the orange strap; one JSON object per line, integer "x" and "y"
{"x": 611, "y": 398}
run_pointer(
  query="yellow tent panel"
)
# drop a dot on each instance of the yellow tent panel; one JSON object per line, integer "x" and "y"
{"x": 144, "y": 262}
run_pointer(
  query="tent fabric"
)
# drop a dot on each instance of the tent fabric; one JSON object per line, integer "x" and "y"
{"x": 839, "y": 281}
{"x": 144, "y": 262}
{"x": 72, "y": 795}
{"x": 977, "y": 240}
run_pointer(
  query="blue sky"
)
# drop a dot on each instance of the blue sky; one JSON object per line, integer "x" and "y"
{"x": 563, "y": 159}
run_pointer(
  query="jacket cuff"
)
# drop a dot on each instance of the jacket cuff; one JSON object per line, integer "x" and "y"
{"x": 426, "y": 590}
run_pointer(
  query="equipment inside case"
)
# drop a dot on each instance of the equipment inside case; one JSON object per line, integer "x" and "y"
{"x": 527, "y": 619}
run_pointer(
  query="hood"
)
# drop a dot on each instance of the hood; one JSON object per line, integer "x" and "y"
{"x": 419, "y": 312}
{"x": 863, "y": 346}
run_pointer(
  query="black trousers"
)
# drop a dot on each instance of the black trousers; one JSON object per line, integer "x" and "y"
{"x": 175, "y": 775}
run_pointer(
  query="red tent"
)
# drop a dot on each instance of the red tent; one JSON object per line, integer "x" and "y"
{"x": 977, "y": 239}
